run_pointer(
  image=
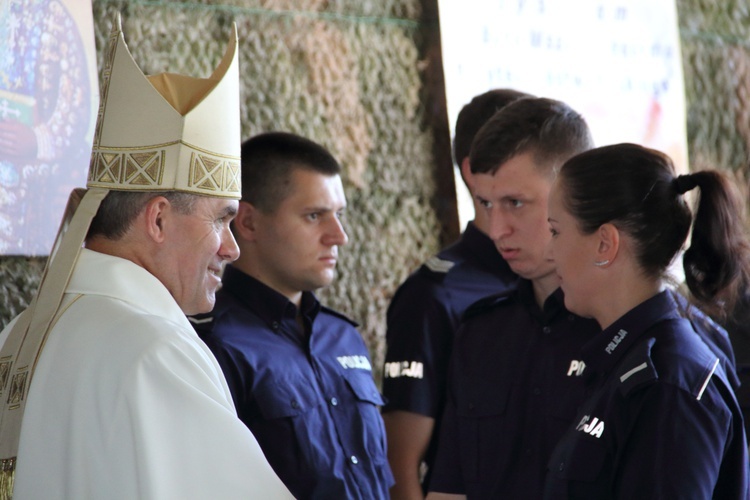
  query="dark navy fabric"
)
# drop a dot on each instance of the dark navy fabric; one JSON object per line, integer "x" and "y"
{"x": 307, "y": 395}
{"x": 737, "y": 323}
{"x": 424, "y": 315}
{"x": 713, "y": 335}
{"x": 661, "y": 421}
{"x": 515, "y": 382}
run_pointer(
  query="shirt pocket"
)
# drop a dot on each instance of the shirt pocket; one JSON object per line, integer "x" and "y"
{"x": 282, "y": 398}
{"x": 578, "y": 467}
{"x": 363, "y": 387}
{"x": 482, "y": 412}
{"x": 368, "y": 400}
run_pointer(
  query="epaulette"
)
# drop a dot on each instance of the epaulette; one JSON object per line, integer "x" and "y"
{"x": 202, "y": 322}
{"x": 637, "y": 368}
{"x": 333, "y": 312}
{"x": 438, "y": 265}
{"x": 485, "y": 304}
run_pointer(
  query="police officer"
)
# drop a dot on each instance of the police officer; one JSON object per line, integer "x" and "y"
{"x": 661, "y": 420}
{"x": 299, "y": 373}
{"x": 424, "y": 314}
{"x": 515, "y": 375}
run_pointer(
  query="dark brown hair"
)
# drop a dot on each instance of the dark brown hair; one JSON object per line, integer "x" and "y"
{"x": 268, "y": 161}
{"x": 635, "y": 189}
{"x": 549, "y": 129}
{"x": 475, "y": 114}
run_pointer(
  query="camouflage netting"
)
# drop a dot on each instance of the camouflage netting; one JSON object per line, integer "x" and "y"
{"x": 716, "y": 60}
{"x": 347, "y": 73}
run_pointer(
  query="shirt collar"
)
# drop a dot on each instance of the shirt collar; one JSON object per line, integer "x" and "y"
{"x": 604, "y": 351}
{"x": 268, "y": 304}
{"x": 553, "y": 305}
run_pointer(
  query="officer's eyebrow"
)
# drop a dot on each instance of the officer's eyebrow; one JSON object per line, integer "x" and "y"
{"x": 324, "y": 208}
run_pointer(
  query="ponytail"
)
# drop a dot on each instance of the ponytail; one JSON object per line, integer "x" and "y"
{"x": 717, "y": 263}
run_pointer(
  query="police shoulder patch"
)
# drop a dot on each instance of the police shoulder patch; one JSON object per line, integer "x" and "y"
{"x": 337, "y": 314}
{"x": 637, "y": 369}
{"x": 200, "y": 319}
{"x": 438, "y": 265}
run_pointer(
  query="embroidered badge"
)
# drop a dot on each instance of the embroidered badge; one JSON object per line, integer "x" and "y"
{"x": 396, "y": 369}
{"x": 593, "y": 427}
{"x": 616, "y": 341}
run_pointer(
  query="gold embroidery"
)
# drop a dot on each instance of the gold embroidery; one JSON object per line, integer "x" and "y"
{"x": 209, "y": 173}
{"x": 17, "y": 389}
{"x": 128, "y": 169}
{"x": 232, "y": 177}
{"x": 213, "y": 174}
{"x": 7, "y": 477}
{"x": 4, "y": 372}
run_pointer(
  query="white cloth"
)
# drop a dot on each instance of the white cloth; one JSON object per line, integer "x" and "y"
{"x": 127, "y": 402}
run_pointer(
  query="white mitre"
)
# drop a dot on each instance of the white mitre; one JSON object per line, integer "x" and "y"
{"x": 165, "y": 132}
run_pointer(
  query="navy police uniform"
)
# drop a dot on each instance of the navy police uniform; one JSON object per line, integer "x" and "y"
{"x": 661, "y": 421}
{"x": 713, "y": 335}
{"x": 515, "y": 382}
{"x": 307, "y": 394}
{"x": 737, "y": 324}
{"x": 424, "y": 315}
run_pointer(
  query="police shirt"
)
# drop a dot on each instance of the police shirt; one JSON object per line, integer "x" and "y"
{"x": 713, "y": 335}
{"x": 661, "y": 421}
{"x": 424, "y": 315}
{"x": 515, "y": 382}
{"x": 308, "y": 396}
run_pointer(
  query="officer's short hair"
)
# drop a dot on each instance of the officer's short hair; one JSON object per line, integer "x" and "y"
{"x": 268, "y": 161}
{"x": 551, "y": 130}
{"x": 475, "y": 114}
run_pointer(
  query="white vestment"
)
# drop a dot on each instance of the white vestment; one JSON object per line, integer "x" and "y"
{"x": 127, "y": 402}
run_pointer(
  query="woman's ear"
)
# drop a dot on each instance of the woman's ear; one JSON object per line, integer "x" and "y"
{"x": 608, "y": 246}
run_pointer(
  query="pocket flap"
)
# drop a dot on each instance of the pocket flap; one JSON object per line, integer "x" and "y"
{"x": 363, "y": 386}
{"x": 279, "y": 398}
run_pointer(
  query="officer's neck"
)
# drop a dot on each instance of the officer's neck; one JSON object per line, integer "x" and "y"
{"x": 544, "y": 286}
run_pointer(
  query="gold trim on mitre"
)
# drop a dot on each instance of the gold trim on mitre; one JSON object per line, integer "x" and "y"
{"x": 167, "y": 132}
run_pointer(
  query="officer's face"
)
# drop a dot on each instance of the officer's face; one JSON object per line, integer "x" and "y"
{"x": 574, "y": 254}
{"x": 196, "y": 247}
{"x": 296, "y": 246}
{"x": 515, "y": 202}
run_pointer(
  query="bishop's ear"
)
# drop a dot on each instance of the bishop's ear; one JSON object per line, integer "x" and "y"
{"x": 156, "y": 217}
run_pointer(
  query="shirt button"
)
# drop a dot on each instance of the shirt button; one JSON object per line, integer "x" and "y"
{"x": 537, "y": 391}
{"x": 354, "y": 460}
{"x": 334, "y": 401}
{"x": 546, "y": 329}
{"x": 295, "y": 404}
{"x": 275, "y": 325}
{"x": 562, "y": 466}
